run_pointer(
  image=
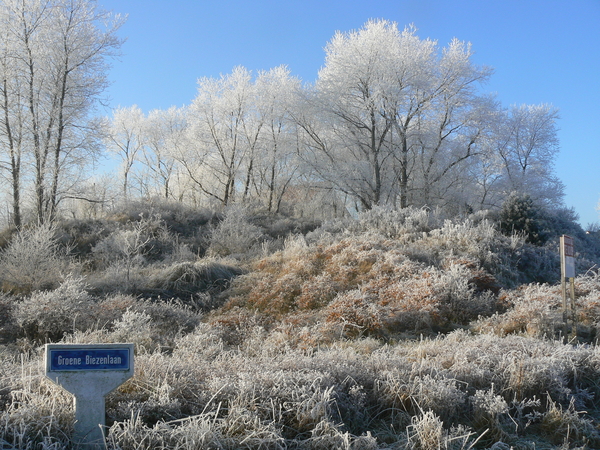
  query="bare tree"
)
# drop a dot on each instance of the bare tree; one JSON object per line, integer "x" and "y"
{"x": 16, "y": 33}
{"x": 276, "y": 164}
{"x": 385, "y": 95}
{"x": 124, "y": 138}
{"x": 164, "y": 135}
{"x": 57, "y": 69}
{"x": 527, "y": 143}
{"x": 223, "y": 136}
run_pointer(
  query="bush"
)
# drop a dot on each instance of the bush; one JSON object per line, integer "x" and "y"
{"x": 153, "y": 325}
{"x": 341, "y": 339}
{"x": 8, "y": 326}
{"x": 36, "y": 414}
{"x": 49, "y": 315}
{"x": 519, "y": 214}
{"x": 235, "y": 234}
{"x": 128, "y": 245}
{"x": 366, "y": 285}
{"x": 33, "y": 260}
{"x": 185, "y": 280}
{"x": 454, "y": 391}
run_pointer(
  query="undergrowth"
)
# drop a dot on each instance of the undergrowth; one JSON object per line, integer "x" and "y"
{"x": 397, "y": 330}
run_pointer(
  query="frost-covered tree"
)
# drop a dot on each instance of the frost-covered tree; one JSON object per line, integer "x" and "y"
{"x": 223, "y": 136}
{"x": 124, "y": 137}
{"x": 391, "y": 120}
{"x": 527, "y": 143}
{"x": 450, "y": 132}
{"x": 275, "y": 164}
{"x": 392, "y": 106}
{"x": 12, "y": 108}
{"x": 55, "y": 55}
{"x": 351, "y": 111}
{"x": 164, "y": 137}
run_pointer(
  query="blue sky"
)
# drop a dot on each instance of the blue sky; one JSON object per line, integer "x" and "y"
{"x": 542, "y": 51}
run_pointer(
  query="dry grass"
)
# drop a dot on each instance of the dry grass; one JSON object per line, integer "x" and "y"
{"x": 432, "y": 393}
{"x": 366, "y": 285}
{"x": 396, "y": 332}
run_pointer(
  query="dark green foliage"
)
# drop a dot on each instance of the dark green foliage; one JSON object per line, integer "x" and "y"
{"x": 520, "y": 215}
{"x": 587, "y": 244}
{"x": 543, "y": 227}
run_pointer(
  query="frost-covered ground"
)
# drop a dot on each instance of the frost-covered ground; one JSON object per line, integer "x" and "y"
{"x": 396, "y": 330}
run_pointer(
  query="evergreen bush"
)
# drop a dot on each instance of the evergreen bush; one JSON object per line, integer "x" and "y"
{"x": 520, "y": 215}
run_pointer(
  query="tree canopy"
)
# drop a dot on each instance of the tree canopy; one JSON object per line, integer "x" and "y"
{"x": 53, "y": 65}
{"x": 392, "y": 120}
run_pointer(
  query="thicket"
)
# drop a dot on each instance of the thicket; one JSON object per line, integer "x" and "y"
{"x": 396, "y": 329}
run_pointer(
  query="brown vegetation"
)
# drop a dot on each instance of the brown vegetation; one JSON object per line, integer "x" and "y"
{"x": 402, "y": 334}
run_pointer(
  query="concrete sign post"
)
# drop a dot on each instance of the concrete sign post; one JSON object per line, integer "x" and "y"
{"x": 89, "y": 372}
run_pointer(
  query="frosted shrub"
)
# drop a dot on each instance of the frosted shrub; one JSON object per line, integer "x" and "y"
{"x": 438, "y": 394}
{"x": 235, "y": 234}
{"x": 239, "y": 429}
{"x": 51, "y": 314}
{"x": 464, "y": 239}
{"x": 35, "y": 413}
{"x": 367, "y": 285}
{"x": 8, "y": 325}
{"x": 587, "y": 292}
{"x": 33, "y": 260}
{"x": 534, "y": 309}
{"x": 441, "y": 393}
{"x": 569, "y": 427}
{"x": 181, "y": 253}
{"x": 188, "y": 279}
{"x": 491, "y": 412}
{"x": 123, "y": 244}
{"x": 392, "y": 223}
{"x": 458, "y": 301}
{"x": 327, "y": 435}
{"x": 125, "y": 249}
{"x": 135, "y": 327}
{"x": 355, "y": 313}
{"x": 204, "y": 342}
{"x": 112, "y": 307}
{"x": 426, "y": 432}
{"x": 154, "y": 325}
{"x": 295, "y": 243}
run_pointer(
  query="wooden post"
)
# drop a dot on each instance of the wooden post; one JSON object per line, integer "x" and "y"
{"x": 567, "y": 264}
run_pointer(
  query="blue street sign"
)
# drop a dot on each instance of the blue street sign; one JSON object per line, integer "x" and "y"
{"x": 87, "y": 359}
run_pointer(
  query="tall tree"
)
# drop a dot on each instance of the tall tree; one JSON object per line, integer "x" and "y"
{"x": 12, "y": 113}
{"x": 354, "y": 104}
{"x": 124, "y": 137}
{"x": 380, "y": 90}
{"x": 276, "y": 165}
{"x": 164, "y": 137}
{"x": 224, "y": 135}
{"x": 60, "y": 49}
{"x": 529, "y": 145}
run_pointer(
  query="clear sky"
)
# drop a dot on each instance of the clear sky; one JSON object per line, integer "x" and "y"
{"x": 543, "y": 51}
